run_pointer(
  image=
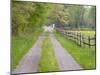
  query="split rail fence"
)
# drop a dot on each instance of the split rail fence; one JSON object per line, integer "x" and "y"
{"x": 79, "y": 38}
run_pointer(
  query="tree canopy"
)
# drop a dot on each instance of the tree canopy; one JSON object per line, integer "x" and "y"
{"x": 27, "y": 16}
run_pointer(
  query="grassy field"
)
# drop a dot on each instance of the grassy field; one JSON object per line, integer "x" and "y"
{"x": 21, "y": 45}
{"x": 84, "y": 56}
{"x": 48, "y": 61}
{"x": 86, "y": 35}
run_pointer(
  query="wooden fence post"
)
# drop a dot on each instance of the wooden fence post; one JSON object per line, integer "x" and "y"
{"x": 62, "y": 32}
{"x": 83, "y": 41}
{"x": 75, "y": 34}
{"x": 95, "y": 40}
{"x": 77, "y": 38}
{"x": 72, "y": 36}
{"x": 66, "y": 34}
{"x": 80, "y": 38}
{"x": 89, "y": 43}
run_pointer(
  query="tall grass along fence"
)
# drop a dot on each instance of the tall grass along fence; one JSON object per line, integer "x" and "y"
{"x": 79, "y": 38}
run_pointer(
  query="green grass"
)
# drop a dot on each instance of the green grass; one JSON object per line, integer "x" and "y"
{"x": 87, "y": 32}
{"x": 48, "y": 61}
{"x": 84, "y": 56}
{"x": 86, "y": 35}
{"x": 21, "y": 45}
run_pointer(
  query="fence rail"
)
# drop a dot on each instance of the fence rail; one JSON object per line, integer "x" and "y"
{"x": 79, "y": 38}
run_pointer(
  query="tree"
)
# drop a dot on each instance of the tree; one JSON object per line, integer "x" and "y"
{"x": 27, "y": 16}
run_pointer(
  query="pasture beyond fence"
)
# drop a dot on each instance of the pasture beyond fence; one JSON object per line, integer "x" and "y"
{"x": 79, "y": 38}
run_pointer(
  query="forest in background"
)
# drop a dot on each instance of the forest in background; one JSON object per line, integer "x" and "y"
{"x": 28, "y": 16}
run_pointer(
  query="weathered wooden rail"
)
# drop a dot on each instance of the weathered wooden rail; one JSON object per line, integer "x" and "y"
{"x": 79, "y": 38}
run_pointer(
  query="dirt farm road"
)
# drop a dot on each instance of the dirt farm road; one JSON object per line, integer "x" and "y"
{"x": 29, "y": 63}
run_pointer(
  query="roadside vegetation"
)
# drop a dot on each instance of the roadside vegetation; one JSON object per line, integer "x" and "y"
{"x": 84, "y": 56}
{"x": 48, "y": 61}
{"x": 21, "y": 45}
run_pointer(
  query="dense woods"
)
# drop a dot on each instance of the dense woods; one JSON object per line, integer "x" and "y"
{"x": 75, "y": 17}
{"x": 27, "y": 16}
